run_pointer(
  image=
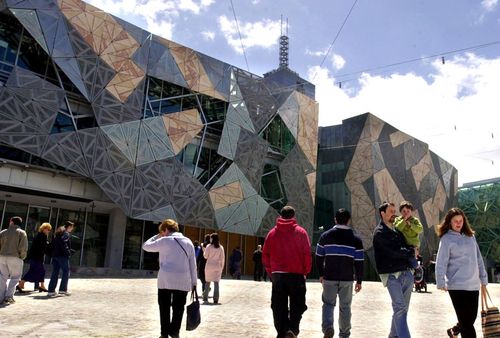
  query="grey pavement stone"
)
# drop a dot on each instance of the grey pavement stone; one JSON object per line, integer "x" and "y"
{"x": 127, "y": 307}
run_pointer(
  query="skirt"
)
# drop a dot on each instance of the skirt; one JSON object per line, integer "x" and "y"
{"x": 36, "y": 272}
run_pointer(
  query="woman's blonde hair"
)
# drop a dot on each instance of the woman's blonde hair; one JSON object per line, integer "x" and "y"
{"x": 168, "y": 224}
{"x": 44, "y": 226}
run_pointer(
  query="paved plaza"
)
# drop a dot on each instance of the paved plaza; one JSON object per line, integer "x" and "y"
{"x": 126, "y": 307}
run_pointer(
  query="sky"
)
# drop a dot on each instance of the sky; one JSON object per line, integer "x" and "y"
{"x": 447, "y": 94}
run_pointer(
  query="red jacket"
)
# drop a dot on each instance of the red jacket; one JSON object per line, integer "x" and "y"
{"x": 287, "y": 248}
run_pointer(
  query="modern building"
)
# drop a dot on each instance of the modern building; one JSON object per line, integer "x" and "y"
{"x": 106, "y": 124}
{"x": 365, "y": 161}
{"x": 480, "y": 201}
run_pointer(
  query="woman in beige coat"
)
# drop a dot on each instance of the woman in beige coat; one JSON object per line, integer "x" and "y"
{"x": 214, "y": 254}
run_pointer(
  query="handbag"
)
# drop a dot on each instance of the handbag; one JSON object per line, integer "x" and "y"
{"x": 193, "y": 316}
{"x": 490, "y": 317}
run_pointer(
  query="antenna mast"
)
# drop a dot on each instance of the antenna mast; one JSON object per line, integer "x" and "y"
{"x": 284, "y": 45}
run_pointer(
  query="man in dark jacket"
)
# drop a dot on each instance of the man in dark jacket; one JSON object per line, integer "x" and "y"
{"x": 257, "y": 261}
{"x": 61, "y": 252}
{"x": 339, "y": 256}
{"x": 392, "y": 260}
{"x": 287, "y": 259}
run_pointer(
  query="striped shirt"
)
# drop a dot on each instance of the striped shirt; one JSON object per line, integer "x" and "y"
{"x": 340, "y": 255}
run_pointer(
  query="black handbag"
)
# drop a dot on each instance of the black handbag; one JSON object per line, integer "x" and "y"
{"x": 193, "y": 316}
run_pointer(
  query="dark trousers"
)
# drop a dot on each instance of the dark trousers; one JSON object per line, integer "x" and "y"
{"x": 466, "y": 305}
{"x": 175, "y": 299}
{"x": 257, "y": 272}
{"x": 288, "y": 286}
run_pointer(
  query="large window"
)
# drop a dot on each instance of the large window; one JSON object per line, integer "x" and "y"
{"x": 132, "y": 248}
{"x": 36, "y": 216}
{"x": 279, "y": 136}
{"x": 78, "y": 217}
{"x": 96, "y": 235}
{"x": 271, "y": 187}
{"x": 14, "y": 209}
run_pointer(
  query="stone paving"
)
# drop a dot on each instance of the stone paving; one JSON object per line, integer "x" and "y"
{"x": 126, "y": 307}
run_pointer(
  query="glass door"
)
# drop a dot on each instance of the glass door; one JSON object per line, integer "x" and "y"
{"x": 36, "y": 216}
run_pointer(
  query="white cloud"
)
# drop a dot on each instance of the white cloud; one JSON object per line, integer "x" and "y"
{"x": 316, "y": 53}
{"x": 263, "y": 33}
{"x": 158, "y": 14}
{"x": 489, "y": 5}
{"x": 456, "y": 113}
{"x": 207, "y": 35}
{"x": 338, "y": 61}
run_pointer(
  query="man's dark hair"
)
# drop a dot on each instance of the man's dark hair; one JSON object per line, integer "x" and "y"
{"x": 16, "y": 220}
{"x": 405, "y": 204}
{"x": 287, "y": 212}
{"x": 342, "y": 216}
{"x": 383, "y": 207}
{"x": 68, "y": 224}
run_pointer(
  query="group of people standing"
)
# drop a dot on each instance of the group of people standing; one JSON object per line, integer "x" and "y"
{"x": 14, "y": 250}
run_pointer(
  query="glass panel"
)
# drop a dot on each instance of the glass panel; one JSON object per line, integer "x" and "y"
{"x": 63, "y": 123}
{"x": 36, "y": 216}
{"x": 96, "y": 235}
{"x": 14, "y": 209}
{"x": 150, "y": 259}
{"x": 133, "y": 244}
{"x": 271, "y": 187}
{"x": 279, "y": 136}
{"x": 78, "y": 217}
{"x": 10, "y": 34}
{"x": 1, "y": 212}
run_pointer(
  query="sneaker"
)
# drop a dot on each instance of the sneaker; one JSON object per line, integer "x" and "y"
{"x": 290, "y": 334}
{"x": 51, "y": 294}
{"x": 329, "y": 333}
{"x": 9, "y": 300}
{"x": 64, "y": 293}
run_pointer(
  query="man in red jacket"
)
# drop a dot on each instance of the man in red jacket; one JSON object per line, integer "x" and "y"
{"x": 287, "y": 259}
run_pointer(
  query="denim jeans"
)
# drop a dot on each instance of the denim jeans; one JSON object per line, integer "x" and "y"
{"x": 330, "y": 291}
{"x": 11, "y": 269}
{"x": 400, "y": 291}
{"x": 207, "y": 291}
{"x": 59, "y": 263}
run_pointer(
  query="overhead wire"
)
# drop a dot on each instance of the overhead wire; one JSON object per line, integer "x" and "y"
{"x": 239, "y": 34}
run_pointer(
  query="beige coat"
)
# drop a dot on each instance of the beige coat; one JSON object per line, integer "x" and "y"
{"x": 215, "y": 262}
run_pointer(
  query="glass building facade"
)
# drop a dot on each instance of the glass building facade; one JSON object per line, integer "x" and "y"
{"x": 161, "y": 130}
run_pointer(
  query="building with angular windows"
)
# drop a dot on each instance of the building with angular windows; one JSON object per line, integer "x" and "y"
{"x": 106, "y": 124}
{"x": 366, "y": 161}
{"x": 480, "y": 202}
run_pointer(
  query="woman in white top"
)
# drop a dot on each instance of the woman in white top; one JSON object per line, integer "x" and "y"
{"x": 177, "y": 274}
{"x": 214, "y": 254}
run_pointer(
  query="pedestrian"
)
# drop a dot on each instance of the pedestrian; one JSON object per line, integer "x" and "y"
{"x": 257, "y": 261}
{"x": 214, "y": 254}
{"x": 36, "y": 255}
{"x": 235, "y": 263}
{"x": 287, "y": 258}
{"x": 197, "y": 249}
{"x": 460, "y": 270}
{"x": 411, "y": 228}
{"x": 339, "y": 257}
{"x": 177, "y": 275}
{"x": 13, "y": 250}
{"x": 201, "y": 262}
{"x": 61, "y": 253}
{"x": 392, "y": 256}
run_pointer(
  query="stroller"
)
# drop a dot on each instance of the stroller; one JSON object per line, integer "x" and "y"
{"x": 419, "y": 279}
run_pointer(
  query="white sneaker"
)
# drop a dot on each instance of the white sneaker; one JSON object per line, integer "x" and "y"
{"x": 51, "y": 294}
{"x": 64, "y": 293}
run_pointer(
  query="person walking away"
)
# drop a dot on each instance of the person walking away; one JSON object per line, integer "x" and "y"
{"x": 61, "y": 253}
{"x": 214, "y": 254}
{"x": 411, "y": 228}
{"x": 257, "y": 261}
{"x": 339, "y": 257}
{"x": 460, "y": 270}
{"x": 392, "y": 259}
{"x": 177, "y": 275}
{"x": 202, "y": 262}
{"x": 36, "y": 254}
{"x": 13, "y": 250}
{"x": 287, "y": 258}
{"x": 235, "y": 263}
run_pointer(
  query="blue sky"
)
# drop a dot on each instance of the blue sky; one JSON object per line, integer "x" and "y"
{"x": 454, "y": 107}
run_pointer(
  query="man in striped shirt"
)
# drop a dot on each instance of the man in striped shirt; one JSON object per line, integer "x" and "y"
{"x": 339, "y": 258}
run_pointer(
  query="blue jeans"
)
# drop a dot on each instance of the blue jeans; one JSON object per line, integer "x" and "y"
{"x": 59, "y": 263}
{"x": 330, "y": 291}
{"x": 400, "y": 291}
{"x": 207, "y": 291}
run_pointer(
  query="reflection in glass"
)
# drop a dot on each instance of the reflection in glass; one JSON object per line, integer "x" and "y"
{"x": 14, "y": 209}
{"x": 96, "y": 235}
{"x": 133, "y": 244}
{"x": 271, "y": 187}
{"x": 36, "y": 216}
